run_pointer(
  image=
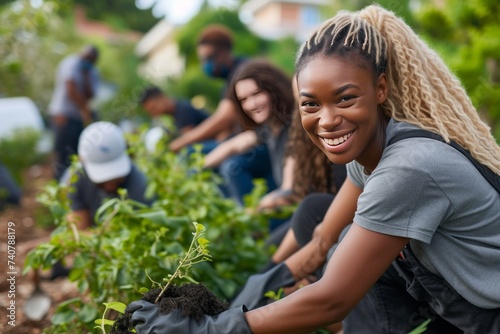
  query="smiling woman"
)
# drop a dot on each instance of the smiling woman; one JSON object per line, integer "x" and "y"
{"x": 423, "y": 237}
{"x": 263, "y": 98}
{"x": 338, "y": 104}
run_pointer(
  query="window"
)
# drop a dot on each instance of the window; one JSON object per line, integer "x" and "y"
{"x": 309, "y": 16}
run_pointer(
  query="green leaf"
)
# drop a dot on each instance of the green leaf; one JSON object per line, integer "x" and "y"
{"x": 87, "y": 313}
{"x": 190, "y": 279}
{"x": 143, "y": 290}
{"x": 117, "y": 306}
{"x": 60, "y": 318}
{"x": 126, "y": 287}
{"x": 203, "y": 242}
{"x": 199, "y": 228}
{"x": 421, "y": 328}
{"x": 104, "y": 321}
{"x": 158, "y": 216}
{"x": 68, "y": 302}
{"x": 109, "y": 203}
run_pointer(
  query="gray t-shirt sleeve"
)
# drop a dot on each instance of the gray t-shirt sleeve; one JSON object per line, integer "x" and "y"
{"x": 69, "y": 71}
{"x": 403, "y": 202}
{"x": 356, "y": 175}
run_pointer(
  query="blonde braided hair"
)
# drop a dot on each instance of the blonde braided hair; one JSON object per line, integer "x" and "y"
{"x": 422, "y": 90}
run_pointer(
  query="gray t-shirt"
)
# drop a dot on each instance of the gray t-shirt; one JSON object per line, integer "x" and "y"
{"x": 276, "y": 146}
{"x": 428, "y": 191}
{"x": 87, "y": 195}
{"x": 70, "y": 70}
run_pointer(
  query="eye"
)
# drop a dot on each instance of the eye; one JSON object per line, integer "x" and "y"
{"x": 346, "y": 98}
{"x": 309, "y": 106}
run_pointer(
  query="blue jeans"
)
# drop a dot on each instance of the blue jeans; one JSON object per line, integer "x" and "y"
{"x": 239, "y": 171}
{"x": 207, "y": 146}
{"x": 65, "y": 144}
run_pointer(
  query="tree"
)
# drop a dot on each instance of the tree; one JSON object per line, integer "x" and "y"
{"x": 467, "y": 34}
{"x": 33, "y": 40}
{"x": 128, "y": 16}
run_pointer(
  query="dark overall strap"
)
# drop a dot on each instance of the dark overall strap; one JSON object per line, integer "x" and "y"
{"x": 488, "y": 174}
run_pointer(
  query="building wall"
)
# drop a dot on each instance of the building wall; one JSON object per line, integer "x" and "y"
{"x": 279, "y": 19}
{"x": 270, "y": 14}
{"x": 163, "y": 62}
{"x": 160, "y": 54}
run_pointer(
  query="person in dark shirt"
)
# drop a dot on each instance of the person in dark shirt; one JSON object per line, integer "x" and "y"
{"x": 106, "y": 167}
{"x": 215, "y": 52}
{"x": 156, "y": 103}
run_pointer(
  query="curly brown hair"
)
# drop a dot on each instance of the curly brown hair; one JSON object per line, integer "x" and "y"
{"x": 312, "y": 170}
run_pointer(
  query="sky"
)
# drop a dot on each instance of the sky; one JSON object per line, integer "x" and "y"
{"x": 179, "y": 11}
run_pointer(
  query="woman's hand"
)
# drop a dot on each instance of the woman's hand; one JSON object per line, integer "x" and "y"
{"x": 276, "y": 198}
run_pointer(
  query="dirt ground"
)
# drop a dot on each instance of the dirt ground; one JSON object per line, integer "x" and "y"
{"x": 28, "y": 234}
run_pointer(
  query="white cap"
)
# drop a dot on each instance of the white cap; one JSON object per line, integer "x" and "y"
{"x": 103, "y": 152}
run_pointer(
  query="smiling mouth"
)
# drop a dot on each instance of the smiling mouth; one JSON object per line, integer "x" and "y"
{"x": 337, "y": 141}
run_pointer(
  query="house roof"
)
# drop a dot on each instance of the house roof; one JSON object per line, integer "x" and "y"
{"x": 159, "y": 32}
{"x": 86, "y": 26}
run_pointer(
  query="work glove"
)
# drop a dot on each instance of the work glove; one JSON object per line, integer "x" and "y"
{"x": 147, "y": 319}
{"x": 257, "y": 285}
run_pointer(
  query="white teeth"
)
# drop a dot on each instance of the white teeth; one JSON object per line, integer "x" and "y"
{"x": 337, "y": 141}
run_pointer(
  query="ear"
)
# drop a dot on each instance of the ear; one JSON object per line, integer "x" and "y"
{"x": 382, "y": 88}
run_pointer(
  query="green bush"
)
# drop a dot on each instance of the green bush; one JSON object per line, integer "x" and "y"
{"x": 133, "y": 244}
{"x": 19, "y": 152}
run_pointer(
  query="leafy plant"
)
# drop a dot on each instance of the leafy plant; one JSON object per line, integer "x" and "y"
{"x": 109, "y": 259}
{"x": 19, "y": 152}
{"x": 196, "y": 253}
{"x": 275, "y": 295}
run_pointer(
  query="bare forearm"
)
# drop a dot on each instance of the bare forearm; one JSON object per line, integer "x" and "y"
{"x": 350, "y": 273}
{"x": 222, "y": 120}
{"x": 286, "y": 248}
{"x": 81, "y": 218}
{"x": 287, "y": 181}
{"x": 311, "y": 257}
{"x": 78, "y": 98}
{"x": 302, "y": 312}
{"x": 339, "y": 215}
{"x": 236, "y": 145}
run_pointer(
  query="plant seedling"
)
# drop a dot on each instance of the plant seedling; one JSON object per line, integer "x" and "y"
{"x": 197, "y": 252}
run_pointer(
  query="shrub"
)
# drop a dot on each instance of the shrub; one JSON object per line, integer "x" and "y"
{"x": 133, "y": 244}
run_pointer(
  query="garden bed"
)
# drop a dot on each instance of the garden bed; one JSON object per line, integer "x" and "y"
{"x": 27, "y": 235}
